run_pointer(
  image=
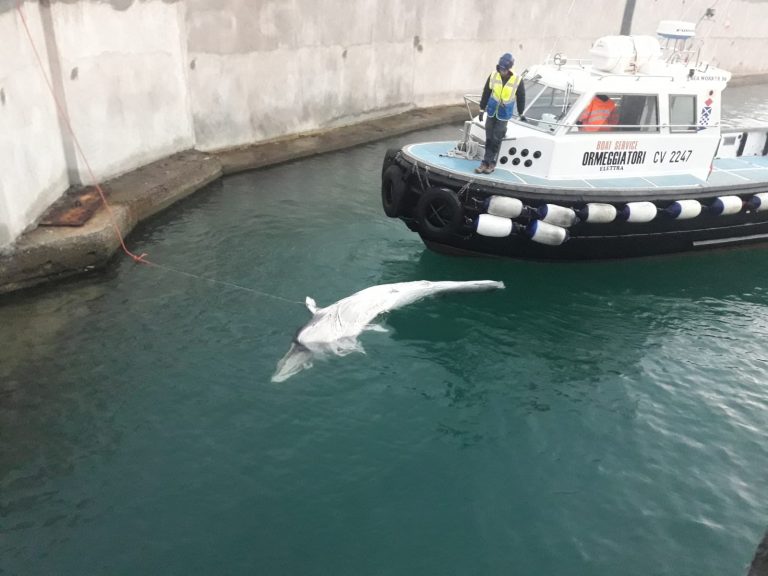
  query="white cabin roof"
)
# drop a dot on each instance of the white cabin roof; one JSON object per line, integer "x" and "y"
{"x": 636, "y": 64}
{"x": 672, "y": 77}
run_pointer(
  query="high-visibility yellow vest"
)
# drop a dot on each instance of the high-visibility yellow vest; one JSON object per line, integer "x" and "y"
{"x": 501, "y": 103}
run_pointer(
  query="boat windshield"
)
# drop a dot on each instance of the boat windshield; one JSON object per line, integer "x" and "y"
{"x": 546, "y": 105}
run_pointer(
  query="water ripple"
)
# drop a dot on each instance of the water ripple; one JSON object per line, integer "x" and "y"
{"x": 592, "y": 418}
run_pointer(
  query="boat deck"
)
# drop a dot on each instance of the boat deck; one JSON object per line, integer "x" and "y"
{"x": 742, "y": 171}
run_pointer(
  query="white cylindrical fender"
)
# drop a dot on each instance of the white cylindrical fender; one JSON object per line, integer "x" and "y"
{"x": 725, "y": 205}
{"x": 596, "y": 213}
{"x": 493, "y": 226}
{"x": 546, "y": 233}
{"x": 759, "y": 202}
{"x": 638, "y": 212}
{"x": 684, "y": 209}
{"x": 504, "y": 206}
{"x": 557, "y": 215}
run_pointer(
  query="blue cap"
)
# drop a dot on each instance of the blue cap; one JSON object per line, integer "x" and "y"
{"x": 506, "y": 61}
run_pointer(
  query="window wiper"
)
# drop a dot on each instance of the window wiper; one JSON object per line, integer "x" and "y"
{"x": 564, "y": 111}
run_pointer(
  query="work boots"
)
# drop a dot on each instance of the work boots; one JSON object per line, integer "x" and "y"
{"x": 485, "y": 168}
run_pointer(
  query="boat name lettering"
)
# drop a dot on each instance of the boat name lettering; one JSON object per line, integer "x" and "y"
{"x": 616, "y": 145}
{"x": 674, "y": 156}
{"x": 612, "y": 160}
{"x": 709, "y": 77}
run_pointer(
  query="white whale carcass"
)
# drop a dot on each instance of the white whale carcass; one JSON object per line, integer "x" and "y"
{"x": 335, "y": 328}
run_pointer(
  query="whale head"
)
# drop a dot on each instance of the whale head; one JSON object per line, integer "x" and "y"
{"x": 298, "y": 358}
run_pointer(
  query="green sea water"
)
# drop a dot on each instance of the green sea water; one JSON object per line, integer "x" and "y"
{"x": 590, "y": 419}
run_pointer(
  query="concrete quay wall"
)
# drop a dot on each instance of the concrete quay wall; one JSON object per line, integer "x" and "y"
{"x": 117, "y": 75}
{"x": 141, "y": 80}
{"x": 270, "y": 68}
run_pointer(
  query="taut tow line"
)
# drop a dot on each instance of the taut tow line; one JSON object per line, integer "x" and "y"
{"x": 221, "y": 282}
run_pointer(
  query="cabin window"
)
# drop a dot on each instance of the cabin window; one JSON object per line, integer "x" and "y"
{"x": 623, "y": 113}
{"x": 682, "y": 113}
{"x": 546, "y": 105}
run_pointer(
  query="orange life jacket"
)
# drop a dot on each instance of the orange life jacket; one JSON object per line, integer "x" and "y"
{"x": 597, "y": 115}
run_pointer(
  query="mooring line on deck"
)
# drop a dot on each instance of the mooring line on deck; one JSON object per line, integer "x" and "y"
{"x": 141, "y": 258}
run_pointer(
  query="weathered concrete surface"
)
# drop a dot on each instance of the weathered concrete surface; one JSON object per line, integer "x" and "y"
{"x": 292, "y": 148}
{"x": 734, "y": 39}
{"x": 116, "y": 71}
{"x": 122, "y": 80}
{"x": 51, "y": 253}
{"x": 262, "y": 70}
{"x": 32, "y": 159}
{"x": 154, "y": 187}
{"x": 748, "y": 80}
{"x": 48, "y": 254}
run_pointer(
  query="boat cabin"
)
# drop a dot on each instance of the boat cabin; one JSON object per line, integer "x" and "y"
{"x": 619, "y": 156}
{"x": 658, "y": 112}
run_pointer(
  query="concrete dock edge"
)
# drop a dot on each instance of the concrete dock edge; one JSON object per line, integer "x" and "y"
{"x": 46, "y": 254}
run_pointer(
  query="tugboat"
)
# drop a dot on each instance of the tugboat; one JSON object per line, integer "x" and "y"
{"x": 660, "y": 178}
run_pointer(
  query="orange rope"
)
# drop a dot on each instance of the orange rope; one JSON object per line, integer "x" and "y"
{"x": 140, "y": 258}
{"x": 65, "y": 118}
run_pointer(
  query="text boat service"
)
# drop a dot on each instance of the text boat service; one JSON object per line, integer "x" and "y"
{"x": 658, "y": 176}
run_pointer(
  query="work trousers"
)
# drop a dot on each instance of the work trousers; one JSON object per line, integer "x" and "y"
{"x": 495, "y": 130}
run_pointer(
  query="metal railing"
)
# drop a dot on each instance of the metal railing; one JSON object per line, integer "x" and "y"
{"x": 567, "y": 62}
{"x": 682, "y": 128}
{"x": 637, "y": 77}
{"x": 473, "y": 99}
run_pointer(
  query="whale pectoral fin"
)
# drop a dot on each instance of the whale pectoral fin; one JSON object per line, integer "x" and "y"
{"x": 348, "y": 346}
{"x": 375, "y": 328}
{"x": 311, "y": 305}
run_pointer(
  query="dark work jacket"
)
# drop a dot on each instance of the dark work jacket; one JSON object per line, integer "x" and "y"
{"x": 519, "y": 96}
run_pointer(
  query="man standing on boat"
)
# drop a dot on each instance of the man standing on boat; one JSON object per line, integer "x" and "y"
{"x": 500, "y": 88}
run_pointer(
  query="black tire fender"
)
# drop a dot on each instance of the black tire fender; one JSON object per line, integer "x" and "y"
{"x": 393, "y": 189}
{"x": 389, "y": 158}
{"x": 439, "y": 213}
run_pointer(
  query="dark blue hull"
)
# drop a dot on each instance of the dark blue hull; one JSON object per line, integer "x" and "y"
{"x": 444, "y": 208}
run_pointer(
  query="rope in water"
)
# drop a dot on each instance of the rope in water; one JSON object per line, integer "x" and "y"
{"x": 140, "y": 258}
{"x": 221, "y": 282}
